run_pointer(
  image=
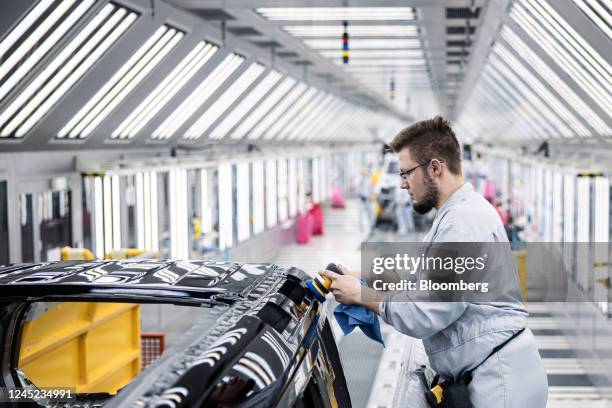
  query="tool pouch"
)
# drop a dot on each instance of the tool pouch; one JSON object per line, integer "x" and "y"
{"x": 449, "y": 395}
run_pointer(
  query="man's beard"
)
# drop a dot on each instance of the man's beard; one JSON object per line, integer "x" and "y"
{"x": 430, "y": 198}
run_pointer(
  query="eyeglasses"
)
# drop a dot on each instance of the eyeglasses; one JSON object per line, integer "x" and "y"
{"x": 404, "y": 174}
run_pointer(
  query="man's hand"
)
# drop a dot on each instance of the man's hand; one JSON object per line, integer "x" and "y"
{"x": 345, "y": 288}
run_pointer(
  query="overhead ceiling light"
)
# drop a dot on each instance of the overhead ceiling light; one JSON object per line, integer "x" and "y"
{"x": 574, "y": 55}
{"x": 407, "y": 70}
{"x": 65, "y": 69}
{"x": 165, "y": 91}
{"x": 222, "y": 103}
{"x": 310, "y": 130}
{"x": 527, "y": 97}
{"x": 279, "y": 128}
{"x": 554, "y": 81}
{"x": 386, "y": 62}
{"x": 116, "y": 89}
{"x": 364, "y": 54}
{"x": 263, "y": 108}
{"x": 276, "y": 112}
{"x": 304, "y": 115}
{"x": 356, "y": 31}
{"x": 317, "y": 117}
{"x": 337, "y": 13}
{"x": 249, "y": 101}
{"x": 28, "y": 48}
{"x": 536, "y": 86}
{"x": 598, "y": 14}
{"x": 367, "y": 43}
{"x": 198, "y": 96}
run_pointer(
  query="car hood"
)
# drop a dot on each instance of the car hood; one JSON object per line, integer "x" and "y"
{"x": 204, "y": 280}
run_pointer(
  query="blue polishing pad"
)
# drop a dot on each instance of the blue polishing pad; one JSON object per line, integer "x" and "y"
{"x": 315, "y": 291}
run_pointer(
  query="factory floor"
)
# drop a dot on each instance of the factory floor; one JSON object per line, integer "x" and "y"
{"x": 372, "y": 370}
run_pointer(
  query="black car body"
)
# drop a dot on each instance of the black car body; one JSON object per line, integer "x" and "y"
{"x": 265, "y": 344}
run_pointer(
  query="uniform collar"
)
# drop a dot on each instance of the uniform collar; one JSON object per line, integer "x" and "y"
{"x": 457, "y": 196}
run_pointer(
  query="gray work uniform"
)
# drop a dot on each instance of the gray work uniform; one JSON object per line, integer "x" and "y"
{"x": 458, "y": 336}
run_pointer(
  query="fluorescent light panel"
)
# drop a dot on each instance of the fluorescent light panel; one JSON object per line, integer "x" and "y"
{"x": 364, "y": 54}
{"x": 165, "y": 91}
{"x": 98, "y": 214}
{"x": 224, "y": 101}
{"x": 318, "y": 116}
{"x": 249, "y": 101}
{"x": 116, "y": 89}
{"x": 567, "y": 47}
{"x": 554, "y": 81}
{"x": 300, "y": 116}
{"x": 263, "y": 108}
{"x": 552, "y": 101}
{"x": 293, "y": 187}
{"x": 258, "y": 197}
{"x": 280, "y": 128}
{"x": 310, "y": 130}
{"x": 353, "y": 30}
{"x": 225, "y": 206}
{"x": 406, "y": 62}
{"x": 277, "y": 111}
{"x": 283, "y": 210}
{"x": 364, "y": 44}
{"x": 242, "y": 201}
{"x": 66, "y": 68}
{"x": 27, "y": 54}
{"x": 197, "y": 98}
{"x": 271, "y": 194}
{"x": 597, "y": 13}
{"x": 336, "y": 13}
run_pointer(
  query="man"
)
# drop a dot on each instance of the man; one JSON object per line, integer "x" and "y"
{"x": 457, "y": 336}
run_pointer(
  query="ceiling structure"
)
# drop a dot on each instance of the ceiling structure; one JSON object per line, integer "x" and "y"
{"x": 143, "y": 74}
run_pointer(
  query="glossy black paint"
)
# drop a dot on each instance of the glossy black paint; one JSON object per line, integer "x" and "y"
{"x": 269, "y": 345}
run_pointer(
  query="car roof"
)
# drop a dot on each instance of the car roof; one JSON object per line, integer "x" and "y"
{"x": 171, "y": 278}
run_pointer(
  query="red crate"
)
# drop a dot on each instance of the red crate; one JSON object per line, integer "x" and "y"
{"x": 152, "y": 347}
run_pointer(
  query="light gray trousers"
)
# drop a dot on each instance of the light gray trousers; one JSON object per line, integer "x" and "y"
{"x": 514, "y": 377}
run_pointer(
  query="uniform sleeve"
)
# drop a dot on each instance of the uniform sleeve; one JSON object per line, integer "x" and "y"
{"x": 418, "y": 319}
{"x": 424, "y": 319}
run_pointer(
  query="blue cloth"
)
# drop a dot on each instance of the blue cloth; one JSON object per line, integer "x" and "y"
{"x": 351, "y": 316}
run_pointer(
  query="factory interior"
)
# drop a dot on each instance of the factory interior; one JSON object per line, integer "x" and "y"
{"x": 175, "y": 175}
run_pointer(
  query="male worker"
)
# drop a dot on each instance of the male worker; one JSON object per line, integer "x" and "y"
{"x": 457, "y": 336}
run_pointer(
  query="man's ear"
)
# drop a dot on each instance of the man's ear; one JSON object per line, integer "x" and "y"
{"x": 436, "y": 167}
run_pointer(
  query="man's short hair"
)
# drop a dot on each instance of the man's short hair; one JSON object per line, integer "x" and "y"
{"x": 430, "y": 139}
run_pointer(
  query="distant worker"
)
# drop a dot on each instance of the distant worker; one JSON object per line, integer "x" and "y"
{"x": 488, "y": 338}
{"x": 364, "y": 190}
{"x": 403, "y": 212}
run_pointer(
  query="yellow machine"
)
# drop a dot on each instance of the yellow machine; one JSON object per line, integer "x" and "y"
{"x": 86, "y": 346}
{"x": 76, "y": 254}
